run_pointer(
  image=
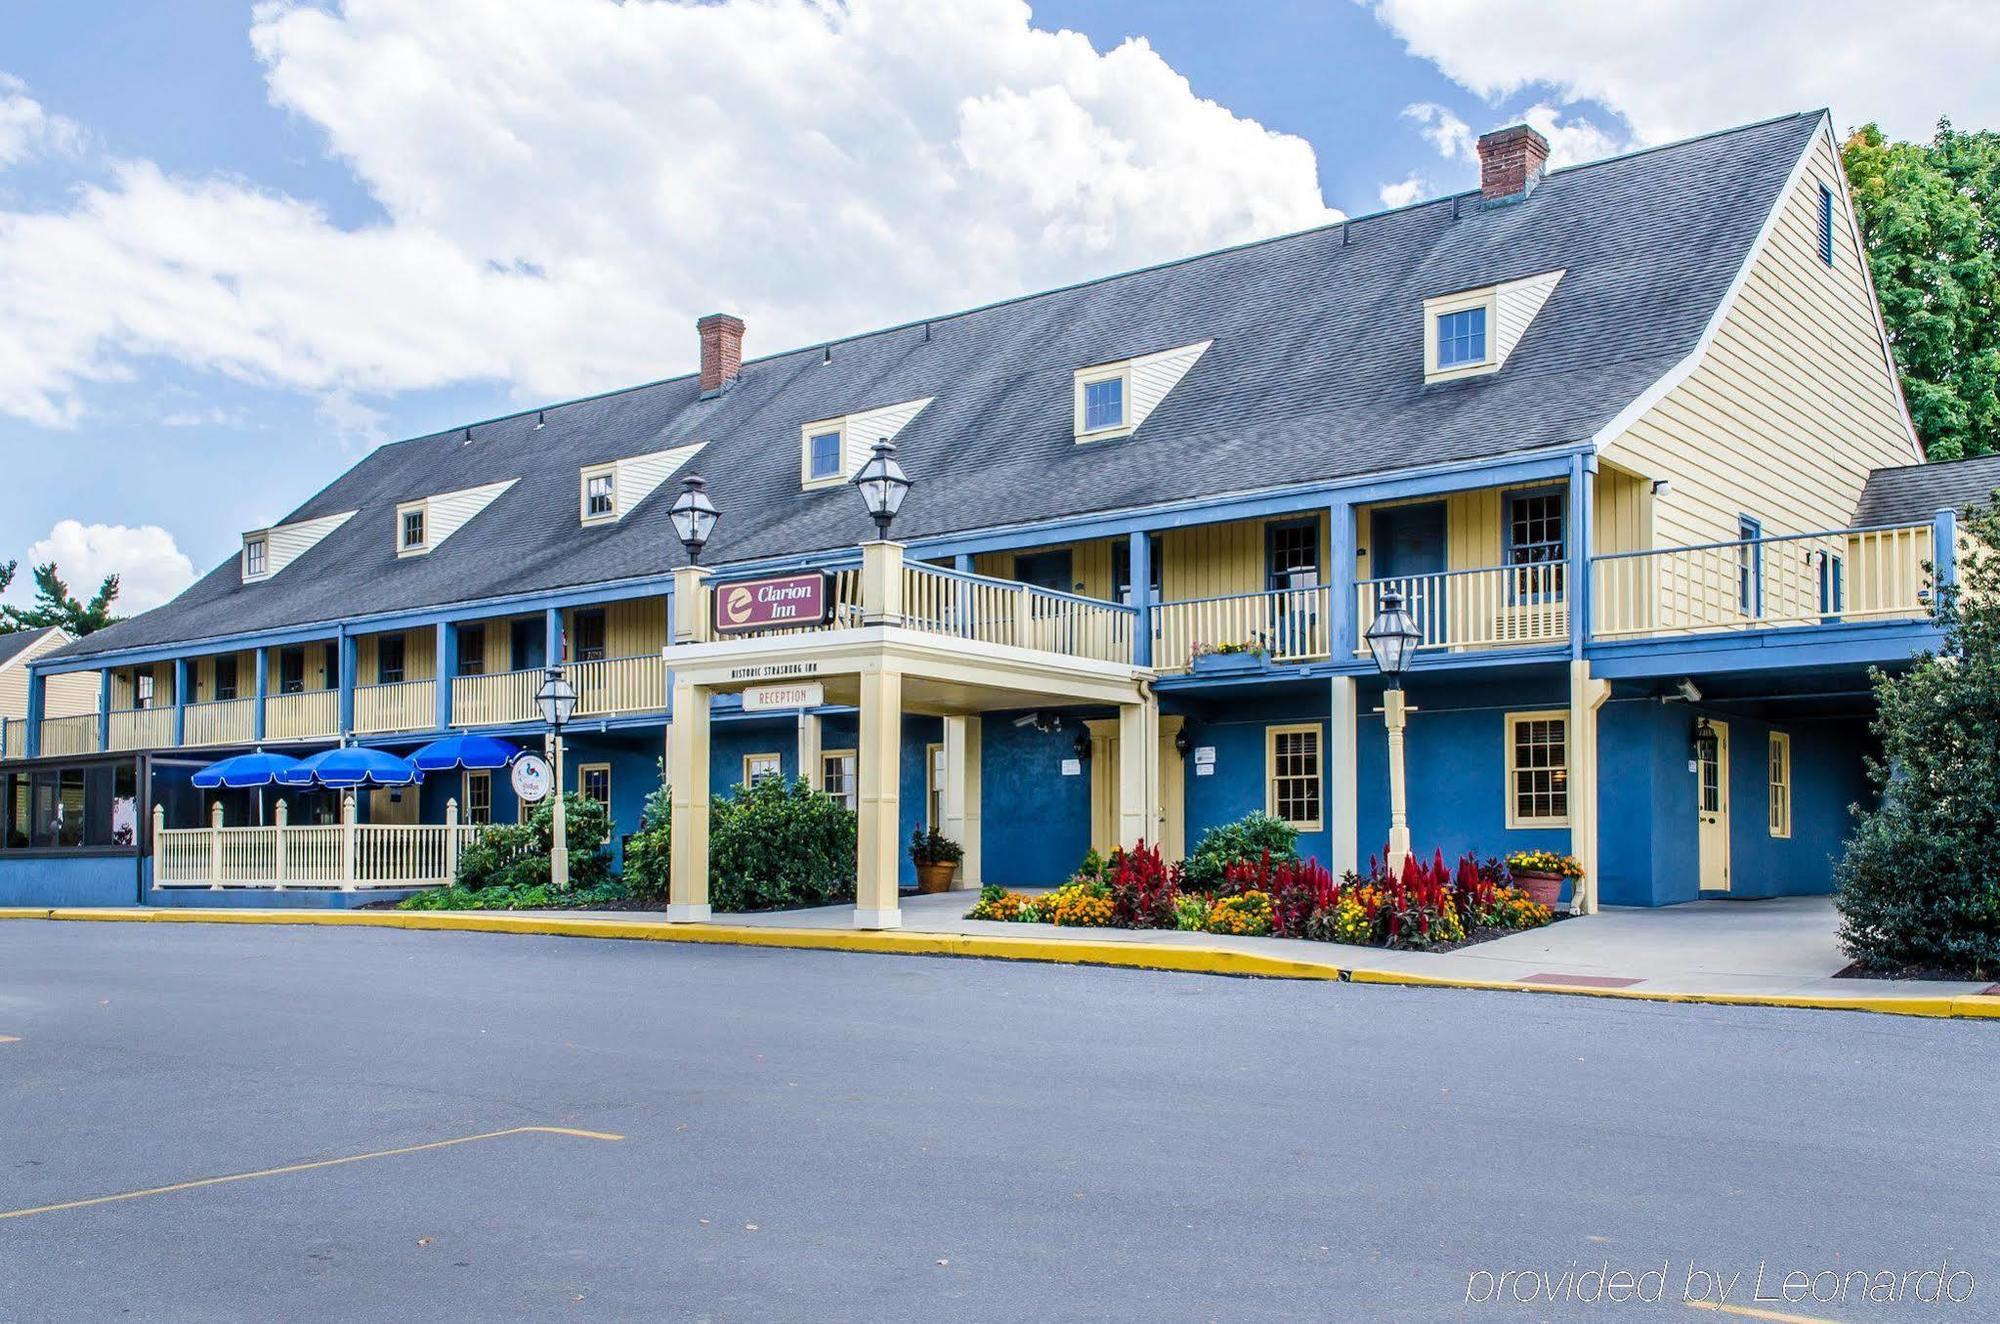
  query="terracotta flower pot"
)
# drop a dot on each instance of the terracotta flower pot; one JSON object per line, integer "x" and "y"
{"x": 1543, "y": 888}
{"x": 935, "y": 877}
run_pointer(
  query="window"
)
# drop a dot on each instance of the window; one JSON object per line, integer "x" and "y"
{"x": 934, "y": 781}
{"x": 1537, "y": 769}
{"x": 1536, "y": 543}
{"x": 1749, "y": 566}
{"x": 91, "y": 806}
{"x": 600, "y": 494}
{"x": 1832, "y": 584}
{"x": 1826, "y": 225}
{"x": 589, "y": 627}
{"x": 761, "y": 767}
{"x": 1291, "y": 554}
{"x": 478, "y": 798}
{"x": 225, "y": 679}
{"x": 1461, "y": 338}
{"x": 291, "y": 670}
{"x": 527, "y": 644}
{"x": 1104, "y": 404}
{"x": 593, "y": 782}
{"x": 837, "y": 777}
{"x": 389, "y": 659}
{"x": 1121, "y": 569}
{"x": 823, "y": 455}
{"x": 1781, "y": 784}
{"x": 410, "y": 528}
{"x": 330, "y": 665}
{"x": 471, "y": 650}
{"x": 142, "y": 690}
{"x": 256, "y": 557}
{"x": 1292, "y": 775}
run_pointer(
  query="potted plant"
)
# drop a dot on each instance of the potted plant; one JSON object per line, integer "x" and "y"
{"x": 936, "y": 857}
{"x": 1542, "y": 873}
{"x": 1229, "y": 659}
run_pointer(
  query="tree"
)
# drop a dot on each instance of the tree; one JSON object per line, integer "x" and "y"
{"x": 1930, "y": 222}
{"x": 1919, "y": 884}
{"x": 53, "y": 604}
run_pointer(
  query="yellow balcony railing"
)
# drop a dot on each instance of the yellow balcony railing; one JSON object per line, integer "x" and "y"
{"x": 222, "y": 722}
{"x": 141, "y": 728}
{"x": 408, "y": 705}
{"x": 496, "y": 700}
{"x": 1288, "y": 625}
{"x": 619, "y": 685}
{"x": 69, "y": 735}
{"x": 1492, "y": 607}
{"x": 302, "y": 715}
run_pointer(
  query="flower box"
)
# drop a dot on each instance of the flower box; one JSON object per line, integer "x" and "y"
{"x": 1230, "y": 664}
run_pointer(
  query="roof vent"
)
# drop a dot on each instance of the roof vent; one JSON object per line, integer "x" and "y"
{"x": 721, "y": 352}
{"x": 1511, "y": 161}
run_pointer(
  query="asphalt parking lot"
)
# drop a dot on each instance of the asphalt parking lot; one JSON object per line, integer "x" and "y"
{"x": 463, "y": 1126}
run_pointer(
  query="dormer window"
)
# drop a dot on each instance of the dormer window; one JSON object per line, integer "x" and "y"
{"x": 256, "y": 557}
{"x": 1104, "y": 404}
{"x": 600, "y": 494}
{"x": 1114, "y": 399}
{"x": 823, "y": 455}
{"x": 832, "y": 450}
{"x": 1474, "y": 331}
{"x": 1461, "y": 338}
{"x": 410, "y": 529}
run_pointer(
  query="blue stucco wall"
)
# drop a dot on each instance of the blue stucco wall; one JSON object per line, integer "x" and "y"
{"x": 1034, "y": 822}
{"x": 69, "y": 880}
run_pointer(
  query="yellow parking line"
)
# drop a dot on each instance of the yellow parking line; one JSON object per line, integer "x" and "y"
{"x": 1751, "y": 1312}
{"x": 308, "y": 1167}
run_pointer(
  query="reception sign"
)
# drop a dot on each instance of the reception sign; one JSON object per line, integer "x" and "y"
{"x": 778, "y": 603}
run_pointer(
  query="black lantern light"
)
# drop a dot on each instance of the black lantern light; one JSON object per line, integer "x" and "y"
{"x": 1082, "y": 746}
{"x": 1393, "y": 637}
{"x": 1707, "y": 745}
{"x": 883, "y": 486}
{"x": 556, "y": 698}
{"x": 694, "y": 516}
{"x": 1181, "y": 742}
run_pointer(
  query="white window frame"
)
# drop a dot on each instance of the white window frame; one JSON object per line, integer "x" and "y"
{"x": 260, "y": 543}
{"x": 473, "y": 777}
{"x": 838, "y": 428}
{"x": 1443, "y": 306}
{"x": 935, "y": 775}
{"x": 1271, "y": 799}
{"x": 852, "y": 797}
{"x": 1087, "y": 377}
{"x": 1515, "y": 819}
{"x": 588, "y": 476}
{"x": 422, "y": 509}
{"x": 1778, "y": 773}
{"x": 777, "y": 762}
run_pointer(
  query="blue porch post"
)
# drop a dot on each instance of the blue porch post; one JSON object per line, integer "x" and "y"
{"x": 552, "y": 627}
{"x": 1582, "y": 486}
{"x": 180, "y": 701}
{"x": 1141, "y": 561}
{"x": 104, "y": 709}
{"x": 263, "y": 694}
{"x": 38, "y": 694}
{"x": 962, "y": 563}
{"x": 350, "y": 658}
{"x": 1944, "y": 547}
{"x": 1341, "y": 636}
{"x": 447, "y": 669}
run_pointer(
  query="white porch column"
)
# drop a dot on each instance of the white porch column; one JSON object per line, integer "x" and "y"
{"x": 690, "y": 605}
{"x": 451, "y": 841}
{"x": 281, "y": 818}
{"x": 1138, "y": 780}
{"x": 1343, "y": 778}
{"x": 687, "y": 774}
{"x": 1586, "y": 696}
{"x": 215, "y": 847}
{"x": 878, "y": 853}
{"x": 810, "y": 770}
{"x": 348, "y": 812}
{"x": 882, "y": 583}
{"x": 962, "y": 739}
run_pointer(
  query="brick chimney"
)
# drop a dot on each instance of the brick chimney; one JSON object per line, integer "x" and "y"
{"x": 721, "y": 352}
{"x": 1511, "y": 162}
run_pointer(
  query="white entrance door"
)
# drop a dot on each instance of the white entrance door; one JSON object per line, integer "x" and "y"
{"x": 1712, "y": 807}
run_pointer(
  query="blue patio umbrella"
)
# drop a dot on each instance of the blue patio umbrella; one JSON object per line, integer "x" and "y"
{"x": 247, "y": 770}
{"x": 480, "y": 753}
{"x": 349, "y": 766}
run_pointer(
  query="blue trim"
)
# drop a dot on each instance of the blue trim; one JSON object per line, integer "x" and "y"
{"x": 180, "y": 701}
{"x": 1582, "y": 535}
{"x": 1139, "y": 571}
{"x": 349, "y": 664}
{"x": 1944, "y": 547}
{"x": 1750, "y": 574}
{"x": 1343, "y": 557}
{"x": 104, "y": 709}
{"x": 263, "y": 694}
{"x": 38, "y": 691}
{"x": 1840, "y": 643}
{"x": 447, "y": 670}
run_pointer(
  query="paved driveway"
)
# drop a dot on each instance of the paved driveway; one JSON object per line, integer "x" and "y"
{"x": 822, "y": 1136}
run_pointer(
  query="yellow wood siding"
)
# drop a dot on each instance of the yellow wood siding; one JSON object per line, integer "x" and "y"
{"x": 419, "y": 657}
{"x": 636, "y": 627}
{"x": 1792, "y": 404}
{"x": 1623, "y": 517}
{"x": 71, "y": 694}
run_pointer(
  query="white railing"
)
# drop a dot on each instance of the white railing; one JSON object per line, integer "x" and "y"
{"x": 1002, "y": 611}
{"x": 69, "y": 735}
{"x": 619, "y": 685}
{"x": 13, "y": 737}
{"x": 1493, "y": 607}
{"x": 141, "y": 728}
{"x": 1782, "y": 580}
{"x": 1286, "y": 625}
{"x": 405, "y": 705}
{"x": 222, "y": 722}
{"x": 496, "y": 700}
{"x": 346, "y": 855}
{"x": 302, "y": 715}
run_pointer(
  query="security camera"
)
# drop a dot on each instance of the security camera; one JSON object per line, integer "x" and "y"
{"x": 1687, "y": 690}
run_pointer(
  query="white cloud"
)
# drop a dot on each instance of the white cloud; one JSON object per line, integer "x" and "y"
{"x": 1572, "y": 139}
{"x": 1674, "y": 68}
{"x": 151, "y": 569}
{"x": 1404, "y": 193}
{"x": 26, "y": 130}
{"x": 569, "y": 183}
{"x": 1452, "y": 136}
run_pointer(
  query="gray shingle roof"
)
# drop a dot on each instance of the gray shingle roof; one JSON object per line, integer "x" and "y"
{"x": 13, "y": 645}
{"x": 1315, "y": 374}
{"x": 1912, "y": 493}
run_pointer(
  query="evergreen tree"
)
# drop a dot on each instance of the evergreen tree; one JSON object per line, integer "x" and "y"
{"x": 54, "y": 605}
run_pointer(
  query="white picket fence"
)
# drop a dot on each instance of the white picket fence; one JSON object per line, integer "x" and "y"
{"x": 345, "y": 855}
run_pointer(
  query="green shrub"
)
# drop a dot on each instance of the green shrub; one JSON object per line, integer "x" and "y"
{"x": 535, "y": 897}
{"x": 1919, "y": 884}
{"x": 649, "y": 853}
{"x": 779, "y": 844}
{"x": 516, "y": 855}
{"x": 1243, "y": 842}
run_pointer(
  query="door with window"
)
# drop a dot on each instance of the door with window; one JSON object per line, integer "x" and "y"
{"x": 527, "y": 644}
{"x": 1712, "y": 806}
{"x": 1406, "y": 546}
{"x": 1292, "y": 577}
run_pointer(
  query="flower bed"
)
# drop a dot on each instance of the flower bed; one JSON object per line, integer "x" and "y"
{"x": 1423, "y": 907}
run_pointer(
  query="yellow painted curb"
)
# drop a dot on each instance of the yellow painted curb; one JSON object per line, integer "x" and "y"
{"x": 1059, "y": 951}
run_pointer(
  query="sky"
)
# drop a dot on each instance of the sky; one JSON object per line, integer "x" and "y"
{"x": 242, "y": 244}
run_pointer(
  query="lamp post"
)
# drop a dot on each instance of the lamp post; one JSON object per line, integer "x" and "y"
{"x": 694, "y": 516}
{"x": 557, "y": 700}
{"x": 1392, "y": 640}
{"x": 883, "y": 486}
